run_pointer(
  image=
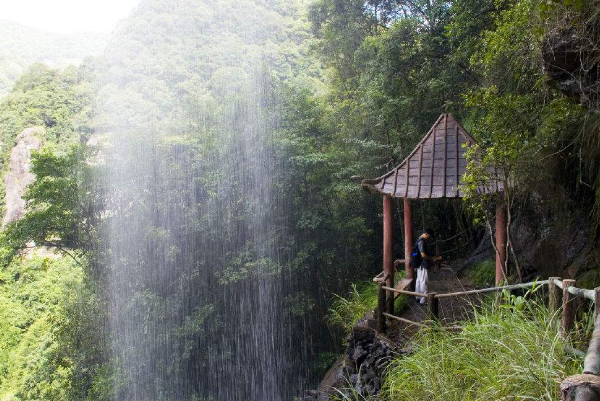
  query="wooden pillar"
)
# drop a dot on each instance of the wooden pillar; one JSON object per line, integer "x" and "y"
{"x": 381, "y": 308}
{"x": 553, "y": 296}
{"x": 388, "y": 247}
{"x": 408, "y": 237}
{"x": 501, "y": 217}
{"x": 433, "y": 306}
{"x": 568, "y": 309}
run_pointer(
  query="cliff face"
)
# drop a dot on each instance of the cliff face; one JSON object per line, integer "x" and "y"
{"x": 564, "y": 247}
{"x": 571, "y": 55}
{"x": 19, "y": 175}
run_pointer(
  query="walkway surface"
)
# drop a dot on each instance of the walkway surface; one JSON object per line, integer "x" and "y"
{"x": 451, "y": 310}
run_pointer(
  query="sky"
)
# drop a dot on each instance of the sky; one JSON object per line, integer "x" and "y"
{"x": 67, "y": 16}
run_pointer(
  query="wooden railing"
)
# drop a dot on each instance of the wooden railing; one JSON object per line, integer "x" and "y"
{"x": 561, "y": 296}
{"x": 433, "y": 298}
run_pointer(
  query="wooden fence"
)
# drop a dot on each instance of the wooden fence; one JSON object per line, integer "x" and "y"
{"x": 561, "y": 296}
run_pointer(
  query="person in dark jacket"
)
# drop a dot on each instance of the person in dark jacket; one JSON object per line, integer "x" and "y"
{"x": 427, "y": 261}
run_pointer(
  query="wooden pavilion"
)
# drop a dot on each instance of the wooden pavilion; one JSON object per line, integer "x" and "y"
{"x": 432, "y": 171}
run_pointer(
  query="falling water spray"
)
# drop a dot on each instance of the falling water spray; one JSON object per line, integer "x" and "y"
{"x": 196, "y": 225}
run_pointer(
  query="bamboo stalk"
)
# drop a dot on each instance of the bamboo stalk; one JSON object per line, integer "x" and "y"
{"x": 579, "y": 292}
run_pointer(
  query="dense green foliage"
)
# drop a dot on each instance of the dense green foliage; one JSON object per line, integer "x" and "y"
{"x": 36, "y": 299}
{"x": 53, "y": 343}
{"x": 394, "y": 66}
{"x": 61, "y": 210}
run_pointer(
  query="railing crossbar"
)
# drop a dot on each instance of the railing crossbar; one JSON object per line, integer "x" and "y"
{"x": 591, "y": 363}
{"x": 493, "y": 289}
{"x": 389, "y": 315}
{"x": 578, "y": 292}
{"x": 404, "y": 292}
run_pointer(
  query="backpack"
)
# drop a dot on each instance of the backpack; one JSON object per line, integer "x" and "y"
{"x": 415, "y": 256}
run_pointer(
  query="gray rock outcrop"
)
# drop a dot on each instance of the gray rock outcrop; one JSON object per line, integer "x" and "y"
{"x": 19, "y": 175}
{"x": 544, "y": 250}
{"x": 360, "y": 372}
{"x": 571, "y": 55}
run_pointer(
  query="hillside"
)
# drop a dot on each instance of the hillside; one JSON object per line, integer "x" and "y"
{"x": 21, "y": 46}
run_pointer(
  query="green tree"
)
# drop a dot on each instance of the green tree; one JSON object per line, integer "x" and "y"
{"x": 62, "y": 209}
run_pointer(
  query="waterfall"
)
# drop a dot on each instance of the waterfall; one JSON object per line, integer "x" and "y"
{"x": 197, "y": 245}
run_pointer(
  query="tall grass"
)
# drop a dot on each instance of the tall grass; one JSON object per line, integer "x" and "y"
{"x": 345, "y": 312}
{"x": 504, "y": 353}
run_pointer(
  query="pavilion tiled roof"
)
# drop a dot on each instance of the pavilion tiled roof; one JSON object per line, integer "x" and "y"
{"x": 435, "y": 168}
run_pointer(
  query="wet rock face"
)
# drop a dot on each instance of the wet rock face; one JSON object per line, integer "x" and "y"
{"x": 367, "y": 357}
{"x": 555, "y": 247}
{"x": 572, "y": 62}
{"x": 19, "y": 175}
{"x": 361, "y": 373}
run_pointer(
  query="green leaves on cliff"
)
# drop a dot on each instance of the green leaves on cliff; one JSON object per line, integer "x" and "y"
{"x": 61, "y": 210}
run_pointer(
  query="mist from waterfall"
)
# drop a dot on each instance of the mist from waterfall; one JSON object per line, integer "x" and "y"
{"x": 197, "y": 234}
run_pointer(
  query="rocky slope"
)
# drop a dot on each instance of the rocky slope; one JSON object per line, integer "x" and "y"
{"x": 360, "y": 371}
{"x": 19, "y": 175}
{"x": 563, "y": 247}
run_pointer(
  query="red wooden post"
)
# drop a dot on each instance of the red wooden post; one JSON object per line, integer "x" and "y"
{"x": 388, "y": 247}
{"x": 501, "y": 216}
{"x": 381, "y": 307}
{"x": 408, "y": 238}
